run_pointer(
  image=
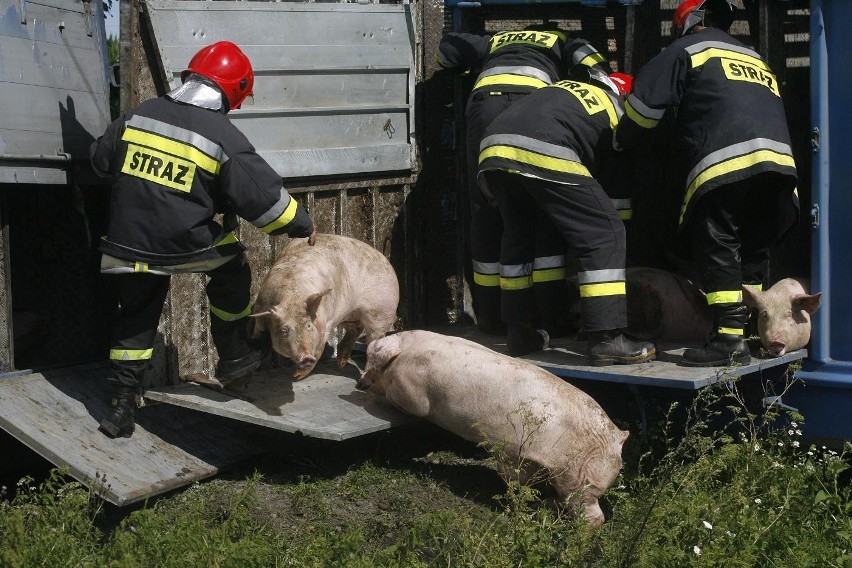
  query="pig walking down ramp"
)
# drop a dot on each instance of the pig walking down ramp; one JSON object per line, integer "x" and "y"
{"x": 543, "y": 424}
{"x": 310, "y": 290}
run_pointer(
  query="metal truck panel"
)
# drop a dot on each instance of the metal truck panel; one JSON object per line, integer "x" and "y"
{"x": 334, "y": 87}
{"x": 53, "y": 88}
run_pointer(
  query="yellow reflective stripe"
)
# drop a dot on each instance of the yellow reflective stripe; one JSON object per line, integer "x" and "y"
{"x": 517, "y": 283}
{"x": 226, "y": 240}
{"x": 702, "y": 57}
{"x": 549, "y": 275}
{"x": 725, "y": 297}
{"x": 140, "y": 267}
{"x": 534, "y": 159}
{"x": 626, "y": 214}
{"x": 731, "y": 330}
{"x": 733, "y": 165}
{"x": 174, "y": 148}
{"x": 510, "y": 80}
{"x": 758, "y": 287}
{"x": 603, "y": 289}
{"x": 284, "y": 219}
{"x": 593, "y": 59}
{"x": 639, "y": 119}
{"x": 490, "y": 280}
{"x": 226, "y": 316}
{"x": 130, "y": 354}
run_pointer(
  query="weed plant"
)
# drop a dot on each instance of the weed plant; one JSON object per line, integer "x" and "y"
{"x": 713, "y": 482}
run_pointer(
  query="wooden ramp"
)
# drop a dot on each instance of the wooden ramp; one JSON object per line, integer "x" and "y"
{"x": 324, "y": 405}
{"x": 567, "y": 358}
{"x": 56, "y": 414}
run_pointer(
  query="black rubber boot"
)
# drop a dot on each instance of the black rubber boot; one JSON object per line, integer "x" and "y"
{"x": 491, "y": 327}
{"x": 723, "y": 349}
{"x": 611, "y": 347}
{"x": 120, "y": 423}
{"x": 523, "y": 339}
{"x": 237, "y": 372}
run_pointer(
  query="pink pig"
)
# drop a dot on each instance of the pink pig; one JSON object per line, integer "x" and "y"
{"x": 784, "y": 314}
{"x": 309, "y": 291}
{"x": 548, "y": 429}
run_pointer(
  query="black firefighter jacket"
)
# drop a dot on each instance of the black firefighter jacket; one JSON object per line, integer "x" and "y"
{"x": 516, "y": 61}
{"x": 560, "y": 133}
{"x": 174, "y": 167}
{"x": 730, "y": 122}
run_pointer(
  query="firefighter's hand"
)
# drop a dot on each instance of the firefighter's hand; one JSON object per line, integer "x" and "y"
{"x": 312, "y": 238}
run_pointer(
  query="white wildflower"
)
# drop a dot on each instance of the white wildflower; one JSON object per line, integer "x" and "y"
{"x": 780, "y": 444}
{"x": 757, "y": 447}
{"x": 730, "y": 534}
{"x": 758, "y": 500}
{"x": 798, "y": 432}
{"x": 795, "y": 443}
{"x": 697, "y": 550}
{"x": 793, "y": 424}
{"x": 791, "y": 432}
{"x": 707, "y": 525}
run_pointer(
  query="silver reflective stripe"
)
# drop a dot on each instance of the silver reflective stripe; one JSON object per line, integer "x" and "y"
{"x": 645, "y": 110}
{"x": 593, "y": 276}
{"x": 113, "y": 265}
{"x": 704, "y": 45}
{"x": 739, "y": 149}
{"x": 275, "y": 211}
{"x": 621, "y": 203}
{"x": 486, "y": 267}
{"x": 180, "y": 134}
{"x": 582, "y": 52}
{"x": 541, "y": 262}
{"x": 527, "y": 143}
{"x": 515, "y": 270}
{"x": 523, "y": 70}
{"x": 616, "y": 102}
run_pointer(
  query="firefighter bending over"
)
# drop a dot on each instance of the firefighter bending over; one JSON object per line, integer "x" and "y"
{"x": 539, "y": 160}
{"x": 175, "y": 162}
{"x": 735, "y": 159}
{"x": 510, "y": 64}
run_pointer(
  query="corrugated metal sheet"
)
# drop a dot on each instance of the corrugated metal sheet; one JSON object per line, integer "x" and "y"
{"x": 334, "y": 82}
{"x": 53, "y": 89}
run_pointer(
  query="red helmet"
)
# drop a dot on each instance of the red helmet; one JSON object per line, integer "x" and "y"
{"x": 226, "y": 65}
{"x": 623, "y": 81}
{"x": 691, "y": 13}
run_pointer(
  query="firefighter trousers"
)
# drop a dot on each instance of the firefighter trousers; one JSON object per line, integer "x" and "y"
{"x": 733, "y": 228}
{"x": 486, "y": 226}
{"x": 141, "y": 298}
{"x": 586, "y": 220}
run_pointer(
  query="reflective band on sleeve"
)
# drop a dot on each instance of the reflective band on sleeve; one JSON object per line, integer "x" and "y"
{"x": 486, "y": 280}
{"x": 534, "y": 159}
{"x": 226, "y": 240}
{"x": 140, "y": 267}
{"x": 731, "y": 330}
{"x": 130, "y": 354}
{"x": 605, "y": 289}
{"x": 641, "y": 114}
{"x": 758, "y": 287}
{"x": 510, "y": 80}
{"x": 725, "y": 297}
{"x": 226, "y": 316}
{"x": 284, "y": 219}
{"x": 555, "y": 261}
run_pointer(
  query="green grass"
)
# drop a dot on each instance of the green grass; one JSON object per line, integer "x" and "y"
{"x": 712, "y": 483}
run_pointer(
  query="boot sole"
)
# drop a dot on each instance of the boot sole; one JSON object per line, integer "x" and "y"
{"x": 647, "y": 358}
{"x": 114, "y": 431}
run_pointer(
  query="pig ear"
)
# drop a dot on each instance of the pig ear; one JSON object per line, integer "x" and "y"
{"x": 809, "y": 303}
{"x": 313, "y": 302}
{"x": 751, "y": 296}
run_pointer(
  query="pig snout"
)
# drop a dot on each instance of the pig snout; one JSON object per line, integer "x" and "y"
{"x": 365, "y": 381}
{"x": 304, "y": 366}
{"x": 776, "y": 348}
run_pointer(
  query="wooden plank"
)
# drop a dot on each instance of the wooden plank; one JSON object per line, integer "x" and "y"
{"x": 57, "y": 414}
{"x": 567, "y": 358}
{"x": 324, "y": 405}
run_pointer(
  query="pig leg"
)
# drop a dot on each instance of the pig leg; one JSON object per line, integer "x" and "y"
{"x": 344, "y": 348}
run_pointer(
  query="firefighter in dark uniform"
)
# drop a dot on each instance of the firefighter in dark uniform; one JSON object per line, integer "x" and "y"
{"x": 540, "y": 159}
{"x": 736, "y": 160}
{"x": 510, "y": 64}
{"x": 175, "y": 162}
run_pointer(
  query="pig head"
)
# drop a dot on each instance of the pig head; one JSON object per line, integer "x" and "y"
{"x": 310, "y": 291}
{"x": 544, "y": 429}
{"x": 783, "y": 314}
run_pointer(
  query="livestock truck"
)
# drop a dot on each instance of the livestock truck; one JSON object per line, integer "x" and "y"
{"x": 351, "y": 110}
